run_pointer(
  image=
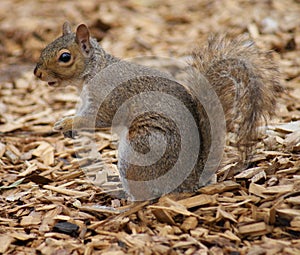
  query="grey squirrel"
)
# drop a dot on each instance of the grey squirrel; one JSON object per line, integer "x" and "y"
{"x": 244, "y": 78}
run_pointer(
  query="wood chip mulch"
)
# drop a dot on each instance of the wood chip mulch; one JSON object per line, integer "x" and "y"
{"x": 54, "y": 200}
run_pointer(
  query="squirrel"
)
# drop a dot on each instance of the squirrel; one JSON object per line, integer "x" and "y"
{"x": 163, "y": 125}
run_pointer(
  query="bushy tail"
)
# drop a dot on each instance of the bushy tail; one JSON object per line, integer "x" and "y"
{"x": 246, "y": 80}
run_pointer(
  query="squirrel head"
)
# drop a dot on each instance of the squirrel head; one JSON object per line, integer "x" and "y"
{"x": 63, "y": 61}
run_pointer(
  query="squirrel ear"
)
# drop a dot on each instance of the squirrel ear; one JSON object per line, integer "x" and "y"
{"x": 67, "y": 28}
{"x": 83, "y": 39}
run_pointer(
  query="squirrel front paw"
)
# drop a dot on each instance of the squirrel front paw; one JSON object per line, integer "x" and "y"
{"x": 65, "y": 126}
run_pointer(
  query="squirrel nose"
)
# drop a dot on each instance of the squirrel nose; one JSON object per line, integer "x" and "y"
{"x": 37, "y": 72}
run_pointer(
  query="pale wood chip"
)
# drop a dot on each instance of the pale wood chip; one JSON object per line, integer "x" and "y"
{"x": 198, "y": 200}
{"x": 112, "y": 253}
{"x": 189, "y": 223}
{"x": 219, "y": 187}
{"x": 68, "y": 192}
{"x": 257, "y": 227}
{"x": 163, "y": 215}
{"x": 279, "y": 189}
{"x": 184, "y": 244}
{"x": 22, "y": 236}
{"x": 249, "y": 173}
{"x": 292, "y": 140}
{"x": 259, "y": 176}
{"x": 5, "y": 242}
{"x": 9, "y": 127}
{"x": 100, "y": 209}
{"x": 11, "y": 156}
{"x": 2, "y": 149}
{"x": 293, "y": 200}
{"x": 35, "y": 116}
{"x": 30, "y": 169}
{"x": 66, "y": 97}
{"x": 46, "y": 152}
{"x": 33, "y": 218}
{"x": 225, "y": 215}
{"x": 275, "y": 153}
{"x": 230, "y": 235}
{"x": 288, "y": 213}
{"x": 257, "y": 190}
{"x": 62, "y": 217}
{"x": 14, "y": 149}
{"x": 289, "y": 170}
{"x": 288, "y": 127}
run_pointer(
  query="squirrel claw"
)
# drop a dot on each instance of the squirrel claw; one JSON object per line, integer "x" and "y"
{"x": 64, "y": 125}
{"x": 70, "y": 134}
{"x": 58, "y": 126}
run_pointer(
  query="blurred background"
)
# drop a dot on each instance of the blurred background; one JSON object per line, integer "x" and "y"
{"x": 128, "y": 28}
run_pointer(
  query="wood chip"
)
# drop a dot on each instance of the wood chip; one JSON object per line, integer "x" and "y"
{"x": 198, "y": 200}
{"x": 219, "y": 187}
{"x": 31, "y": 168}
{"x": 5, "y": 242}
{"x": 257, "y": 190}
{"x": 68, "y": 192}
{"x": 249, "y": 173}
{"x": 32, "y": 219}
{"x": 288, "y": 213}
{"x": 189, "y": 224}
{"x": 294, "y": 200}
{"x": 288, "y": 127}
{"x": 2, "y": 149}
{"x": 229, "y": 235}
{"x": 279, "y": 189}
{"x": 11, "y": 156}
{"x": 253, "y": 228}
{"x": 221, "y": 214}
{"x": 163, "y": 216}
{"x": 9, "y": 127}
{"x": 46, "y": 152}
{"x": 22, "y": 236}
{"x": 295, "y": 223}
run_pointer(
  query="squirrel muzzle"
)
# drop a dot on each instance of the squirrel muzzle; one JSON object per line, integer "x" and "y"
{"x": 38, "y": 72}
{"x": 42, "y": 75}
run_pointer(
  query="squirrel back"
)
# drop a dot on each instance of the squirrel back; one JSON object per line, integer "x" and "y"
{"x": 166, "y": 133}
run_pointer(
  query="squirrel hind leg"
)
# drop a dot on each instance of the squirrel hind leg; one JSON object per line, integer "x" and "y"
{"x": 147, "y": 171}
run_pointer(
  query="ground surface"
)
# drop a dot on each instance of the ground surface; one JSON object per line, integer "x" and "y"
{"x": 42, "y": 186}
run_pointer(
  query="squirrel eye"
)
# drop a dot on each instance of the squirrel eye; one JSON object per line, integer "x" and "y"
{"x": 65, "y": 57}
